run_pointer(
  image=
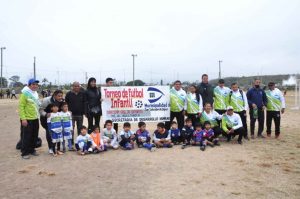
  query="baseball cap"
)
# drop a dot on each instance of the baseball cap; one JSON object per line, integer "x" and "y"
{"x": 31, "y": 81}
{"x": 229, "y": 108}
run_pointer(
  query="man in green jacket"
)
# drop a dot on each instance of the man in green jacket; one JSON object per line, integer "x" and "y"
{"x": 29, "y": 114}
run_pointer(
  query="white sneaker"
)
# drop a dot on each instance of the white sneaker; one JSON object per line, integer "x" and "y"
{"x": 50, "y": 151}
{"x": 153, "y": 149}
{"x": 90, "y": 150}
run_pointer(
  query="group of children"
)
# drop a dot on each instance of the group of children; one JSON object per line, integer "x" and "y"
{"x": 60, "y": 127}
{"x": 197, "y": 135}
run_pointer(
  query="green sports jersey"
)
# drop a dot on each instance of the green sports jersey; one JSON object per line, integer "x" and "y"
{"x": 192, "y": 105}
{"x": 28, "y": 107}
{"x": 220, "y": 95}
{"x": 275, "y": 100}
{"x": 238, "y": 100}
{"x": 177, "y": 100}
{"x": 212, "y": 117}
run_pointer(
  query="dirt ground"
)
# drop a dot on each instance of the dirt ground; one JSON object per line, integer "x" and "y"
{"x": 260, "y": 168}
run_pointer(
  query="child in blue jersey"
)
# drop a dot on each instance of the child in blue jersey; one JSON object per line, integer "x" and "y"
{"x": 84, "y": 143}
{"x": 175, "y": 133}
{"x": 187, "y": 132}
{"x": 66, "y": 117}
{"x": 162, "y": 137}
{"x": 55, "y": 128}
{"x": 143, "y": 138}
{"x": 127, "y": 137}
{"x": 198, "y": 135}
{"x": 208, "y": 137}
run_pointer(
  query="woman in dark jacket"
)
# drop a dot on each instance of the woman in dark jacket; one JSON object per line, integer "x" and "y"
{"x": 57, "y": 99}
{"x": 93, "y": 104}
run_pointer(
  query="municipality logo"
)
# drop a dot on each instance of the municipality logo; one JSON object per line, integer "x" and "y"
{"x": 154, "y": 94}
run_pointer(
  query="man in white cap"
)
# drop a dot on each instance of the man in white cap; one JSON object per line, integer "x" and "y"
{"x": 232, "y": 125}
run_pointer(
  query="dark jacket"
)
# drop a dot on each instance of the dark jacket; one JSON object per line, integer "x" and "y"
{"x": 93, "y": 101}
{"x": 76, "y": 102}
{"x": 257, "y": 96}
{"x": 207, "y": 93}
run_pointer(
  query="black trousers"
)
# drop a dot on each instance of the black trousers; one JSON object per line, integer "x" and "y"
{"x": 13, "y": 95}
{"x": 116, "y": 127}
{"x": 217, "y": 131}
{"x": 30, "y": 135}
{"x": 261, "y": 121}
{"x": 221, "y": 112}
{"x": 78, "y": 120}
{"x": 179, "y": 117}
{"x": 243, "y": 116}
{"x": 273, "y": 115}
{"x": 93, "y": 120}
{"x": 194, "y": 118}
{"x": 240, "y": 132}
{"x": 49, "y": 139}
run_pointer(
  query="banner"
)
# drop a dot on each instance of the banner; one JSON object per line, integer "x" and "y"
{"x": 136, "y": 103}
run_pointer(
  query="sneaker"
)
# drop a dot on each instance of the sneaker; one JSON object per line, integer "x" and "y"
{"x": 183, "y": 146}
{"x": 50, "y": 151}
{"x": 202, "y": 148}
{"x": 35, "y": 153}
{"x": 152, "y": 149}
{"x": 90, "y": 150}
{"x": 71, "y": 149}
{"x": 240, "y": 142}
{"x": 246, "y": 138}
{"x": 217, "y": 144}
{"x": 25, "y": 157}
{"x": 277, "y": 137}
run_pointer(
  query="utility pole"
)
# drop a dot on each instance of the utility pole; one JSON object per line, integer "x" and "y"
{"x": 1, "y": 81}
{"x": 34, "y": 71}
{"x": 133, "y": 56}
{"x": 220, "y": 61}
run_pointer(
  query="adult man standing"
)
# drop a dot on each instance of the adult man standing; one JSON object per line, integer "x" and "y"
{"x": 110, "y": 82}
{"x": 29, "y": 114}
{"x": 275, "y": 105}
{"x": 257, "y": 101}
{"x": 76, "y": 102}
{"x": 220, "y": 94}
{"x": 238, "y": 100}
{"x": 206, "y": 90}
{"x": 177, "y": 102}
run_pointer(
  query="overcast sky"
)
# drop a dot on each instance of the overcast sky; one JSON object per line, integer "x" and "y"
{"x": 172, "y": 39}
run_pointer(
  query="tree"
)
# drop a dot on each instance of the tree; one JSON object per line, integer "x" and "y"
{"x": 14, "y": 78}
{"x": 4, "y": 82}
{"x": 45, "y": 80}
{"x": 15, "y": 81}
{"x": 136, "y": 83}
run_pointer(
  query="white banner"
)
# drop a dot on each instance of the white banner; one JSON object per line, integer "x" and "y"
{"x": 136, "y": 103}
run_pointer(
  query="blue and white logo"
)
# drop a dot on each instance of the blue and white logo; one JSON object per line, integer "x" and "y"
{"x": 154, "y": 94}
